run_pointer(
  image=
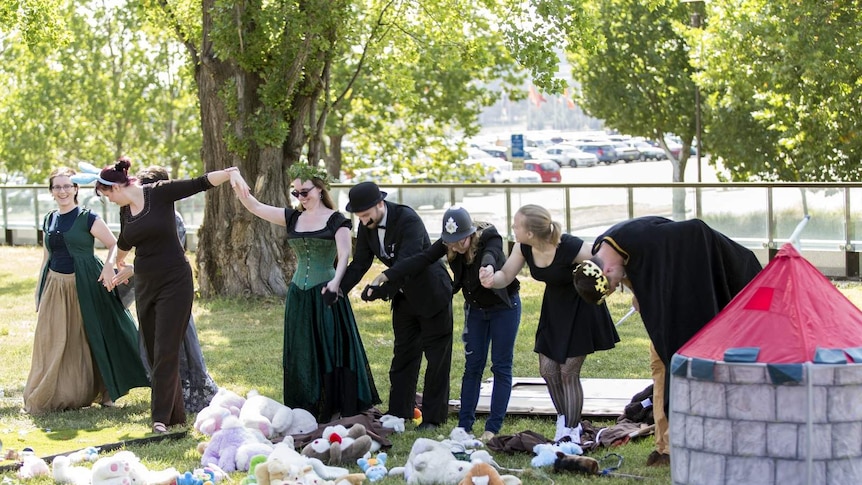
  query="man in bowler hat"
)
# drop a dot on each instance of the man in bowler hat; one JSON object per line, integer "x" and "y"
{"x": 421, "y": 305}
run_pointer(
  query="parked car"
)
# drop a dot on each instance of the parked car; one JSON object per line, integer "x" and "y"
{"x": 571, "y": 156}
{"x": 518, "y": 177}
{"x": 496, "y": 151}
{"x": 548, "y": 170}
{"x": 649, "y": 152}
{"x": 603, "y": 151}
{"x": 626, "y": 152}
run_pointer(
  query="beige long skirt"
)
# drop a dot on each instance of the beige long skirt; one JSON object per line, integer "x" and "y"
{"x": 62, "y": 373}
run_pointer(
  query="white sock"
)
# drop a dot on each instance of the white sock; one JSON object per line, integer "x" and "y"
{"x": 562, "y": 430}
{"x": 575, "y": 434}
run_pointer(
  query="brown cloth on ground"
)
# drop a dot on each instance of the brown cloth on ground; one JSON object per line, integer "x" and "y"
{"x": 522, "y": 442}
{"x": 369, "y": 418}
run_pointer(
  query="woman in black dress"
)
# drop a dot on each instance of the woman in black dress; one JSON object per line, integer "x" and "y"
{"x": 569, "y": 328}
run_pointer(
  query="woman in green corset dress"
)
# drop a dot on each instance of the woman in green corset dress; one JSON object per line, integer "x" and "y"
{"x": 326, "y": 371}
{"x": 85, "y": 345}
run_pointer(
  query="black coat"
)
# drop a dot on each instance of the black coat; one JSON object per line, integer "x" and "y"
{"x": 428, "y": 291}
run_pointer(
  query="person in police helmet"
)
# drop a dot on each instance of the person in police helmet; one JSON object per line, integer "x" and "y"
{"x": 491, "y": 316}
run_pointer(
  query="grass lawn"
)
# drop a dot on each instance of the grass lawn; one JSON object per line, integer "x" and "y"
{"x": 241, "y": 340}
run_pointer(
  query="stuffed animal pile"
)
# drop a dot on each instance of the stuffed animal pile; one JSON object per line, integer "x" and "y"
{"x": 285, "y": 466}
{"x": 432, "y": 463}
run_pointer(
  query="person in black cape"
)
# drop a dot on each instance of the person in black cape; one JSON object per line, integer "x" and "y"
{"x": 682, "y": 275}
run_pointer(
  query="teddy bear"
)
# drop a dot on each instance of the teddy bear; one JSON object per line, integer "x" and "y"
{"x": 482, "y": 473}
{"x": 575, "y": 463}
{"x": 274, "y": 419}
{"x": 232, "y": 447}
{"x": 339, "y": 445}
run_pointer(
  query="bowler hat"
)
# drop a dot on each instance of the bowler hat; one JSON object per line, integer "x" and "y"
{"x": 364, "y": 196}
{"x": 456, "y": 225}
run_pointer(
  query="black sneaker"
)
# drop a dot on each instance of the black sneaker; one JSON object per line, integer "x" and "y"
{"x": 426, "y": 427}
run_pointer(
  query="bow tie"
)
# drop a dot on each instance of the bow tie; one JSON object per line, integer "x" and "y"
{"x": 381, "y": 227}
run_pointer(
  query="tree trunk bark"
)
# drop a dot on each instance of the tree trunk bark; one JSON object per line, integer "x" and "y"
{"x": 238, "y": 253}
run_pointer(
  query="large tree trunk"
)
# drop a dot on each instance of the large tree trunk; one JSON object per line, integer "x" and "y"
{"x": 238, "y": 253}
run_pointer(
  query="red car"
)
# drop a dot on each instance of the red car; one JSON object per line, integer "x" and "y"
{"x": 547, "y": 169}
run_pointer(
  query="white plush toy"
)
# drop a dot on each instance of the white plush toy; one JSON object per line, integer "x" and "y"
{"x": 392, "y": 422}
{"x": 432, "y": 463}
{"x": 65, "y": 472}
{"x": 229, "y": 400}
{"x": 139, "y": 474}
{"x": 210, "y": 419}
{"x": 111, "y": 470}
{"x": 265, "y": 414}
{"x": 460, "y": 440}
{"x": 32, "y": 466}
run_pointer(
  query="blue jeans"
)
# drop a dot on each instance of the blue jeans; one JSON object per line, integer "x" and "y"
{"x": 498, "y": 328}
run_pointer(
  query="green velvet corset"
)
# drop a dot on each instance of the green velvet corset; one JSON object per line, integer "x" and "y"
{"x": 315, "y": 259}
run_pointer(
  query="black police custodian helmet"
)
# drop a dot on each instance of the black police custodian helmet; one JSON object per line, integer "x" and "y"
{"x": 456, "y": 225}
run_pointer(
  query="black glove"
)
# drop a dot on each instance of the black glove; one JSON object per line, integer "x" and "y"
{"x": 382, "y": 292}
{"x": 330, "y": 297}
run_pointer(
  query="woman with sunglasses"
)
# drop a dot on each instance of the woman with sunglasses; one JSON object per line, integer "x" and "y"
{"x": 569, "y": 327}
{"x": 491, "y": 316}
{"x": 164, "y": 287}
{"x": 326, "y": 371}
{"x": 85, "y": 346}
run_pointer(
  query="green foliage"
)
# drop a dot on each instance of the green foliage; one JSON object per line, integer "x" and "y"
{"x": 784, "y": 91}
{"x": 37, "y": 21}
{"x": 638, "y": 78}
{"x": 115, "y": 88}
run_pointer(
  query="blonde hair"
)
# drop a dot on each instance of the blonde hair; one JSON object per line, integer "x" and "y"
{"x": 537, "y": 220}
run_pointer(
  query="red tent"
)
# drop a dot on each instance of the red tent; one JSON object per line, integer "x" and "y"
{"x": 786, "y": 314}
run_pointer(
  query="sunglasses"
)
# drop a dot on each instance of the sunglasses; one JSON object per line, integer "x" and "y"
{"x": 302, "y": 193}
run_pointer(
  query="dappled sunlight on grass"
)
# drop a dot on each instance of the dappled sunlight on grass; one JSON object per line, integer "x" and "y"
{"x": 242, "y": 342}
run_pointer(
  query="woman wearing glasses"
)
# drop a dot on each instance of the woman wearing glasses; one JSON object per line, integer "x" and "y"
{"x": 85, "y": 346}
{"x": 326, "y": 371}
{"x": 491, "y": 316}
{"x": 164, "y": 288}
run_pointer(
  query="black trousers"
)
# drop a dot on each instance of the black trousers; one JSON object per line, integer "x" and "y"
{"x": 416, "y": 336}
{"x": 163, "y": 301}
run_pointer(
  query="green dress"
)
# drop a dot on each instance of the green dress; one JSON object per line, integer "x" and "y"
{"x": 111, "y": 331}
{"x": 326, "y": 370}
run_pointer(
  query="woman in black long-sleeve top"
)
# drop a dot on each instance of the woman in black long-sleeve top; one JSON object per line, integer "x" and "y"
{"x": 164, "y": 287}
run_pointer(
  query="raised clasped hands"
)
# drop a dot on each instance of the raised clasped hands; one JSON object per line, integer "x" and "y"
{"x": 239, "y": 185}
{"x": 486, "y": 276}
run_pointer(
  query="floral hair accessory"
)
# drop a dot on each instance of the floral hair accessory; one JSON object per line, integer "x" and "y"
{"x": 305, "y": 171}
{"x": 591, "y": 269}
